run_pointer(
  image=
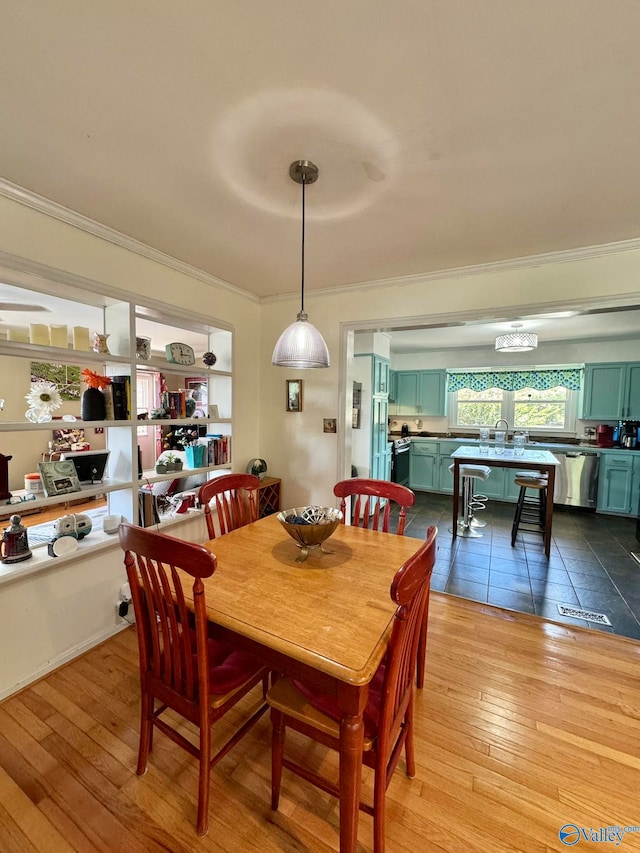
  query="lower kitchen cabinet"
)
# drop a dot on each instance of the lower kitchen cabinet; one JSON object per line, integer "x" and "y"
{"x": 423, "y": 466}
{"x": 618, "y": 487}
{"x": 619, "y": 483}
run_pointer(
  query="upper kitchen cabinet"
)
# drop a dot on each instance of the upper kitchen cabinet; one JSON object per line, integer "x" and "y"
{"x": 380, "y": 368}
{"x": 431, "y": 392}
{"x": 392, "y": 386}
{"x": 611, "y": 391}
{"x": 420, "y": 392}
{"x": 406, "y": 392}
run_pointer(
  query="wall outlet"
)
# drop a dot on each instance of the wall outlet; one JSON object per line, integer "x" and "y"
{"x": 124, "y": 612}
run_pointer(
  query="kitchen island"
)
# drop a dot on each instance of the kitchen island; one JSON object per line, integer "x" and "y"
{"x": 530, "y": 460}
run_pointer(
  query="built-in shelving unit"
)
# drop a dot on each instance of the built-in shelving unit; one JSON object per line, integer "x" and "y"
{"x": 122, "y": 320}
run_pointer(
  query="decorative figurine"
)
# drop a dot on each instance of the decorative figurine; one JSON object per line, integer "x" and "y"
{"x": 15, "y": 545}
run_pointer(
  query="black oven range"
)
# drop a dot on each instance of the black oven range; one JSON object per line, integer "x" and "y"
{"x": 400, "y": 461}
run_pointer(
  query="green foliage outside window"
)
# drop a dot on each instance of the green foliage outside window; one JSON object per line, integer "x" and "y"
{"x": 531, "y": 408}
{"x": 540, "y": 408}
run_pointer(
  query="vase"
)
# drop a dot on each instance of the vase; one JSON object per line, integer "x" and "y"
{"x": 143, "y": 348}
{"x": 100, "y": 343}
{"x": 92, "y": 405}
{"x": 189, "y": 403}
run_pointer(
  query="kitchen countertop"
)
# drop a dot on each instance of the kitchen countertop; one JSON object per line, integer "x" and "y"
{"x": 543, "y": 445}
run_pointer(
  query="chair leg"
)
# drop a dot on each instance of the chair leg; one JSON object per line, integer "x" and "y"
{"x": 379, "y": 802}
{"x": 422, "y": 654}
{"x": 146, "y": 731}
{"x": 409, "y": 750}
{"x": 516, "y": 519}
{"x": 204, "y": 777}
{"x": 277, "y": 751}
{"x": 543, "y": 507}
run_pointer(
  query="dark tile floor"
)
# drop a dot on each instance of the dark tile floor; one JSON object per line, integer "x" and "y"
{"x": 589, "y": 566}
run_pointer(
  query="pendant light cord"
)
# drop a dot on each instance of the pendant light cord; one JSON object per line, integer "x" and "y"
{"x": 302, "y": 296}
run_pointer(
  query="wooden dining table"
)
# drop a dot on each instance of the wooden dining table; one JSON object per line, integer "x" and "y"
{"x": 326, "y": 620}
{"x": 529, "y": 460}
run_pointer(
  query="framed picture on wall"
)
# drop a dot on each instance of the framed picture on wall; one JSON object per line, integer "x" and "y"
{"x": 294, "y": 395}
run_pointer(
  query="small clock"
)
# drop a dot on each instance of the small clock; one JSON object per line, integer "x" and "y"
{"x": 180, "y": 354}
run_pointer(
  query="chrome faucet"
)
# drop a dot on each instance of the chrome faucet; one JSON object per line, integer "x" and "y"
{"x": 506, "y": 423}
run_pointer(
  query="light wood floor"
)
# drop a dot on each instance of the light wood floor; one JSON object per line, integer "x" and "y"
{"x": 523, "y": 726}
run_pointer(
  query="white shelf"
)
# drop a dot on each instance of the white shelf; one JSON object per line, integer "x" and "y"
{"x": 87, "y": 490}
{"x": 58, "y": 355}
{"x": 47, "y": 426}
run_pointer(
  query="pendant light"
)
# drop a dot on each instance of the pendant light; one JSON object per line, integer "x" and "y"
{"x": 516, "y": 341}
{"x": 301, "y": 345}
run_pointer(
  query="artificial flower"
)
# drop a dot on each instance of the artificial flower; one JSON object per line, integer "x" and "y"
{"x": 95, "y": 380}
{"x": 43, "y": 396}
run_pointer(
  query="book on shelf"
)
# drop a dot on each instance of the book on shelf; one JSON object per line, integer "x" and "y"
{"x": 108, "y": 403}
{"x": 121, "y": 394}
{"x": 219, "y": 449}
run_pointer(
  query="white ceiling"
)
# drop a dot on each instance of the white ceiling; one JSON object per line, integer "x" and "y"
{"x": 448, "y": 133}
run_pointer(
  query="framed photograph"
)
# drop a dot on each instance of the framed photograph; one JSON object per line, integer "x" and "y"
{"x": 294, "y": 395}
{"x": 69, "y": 439}
{"x": 59, "y": 478}
{"x": 329, "y": 424}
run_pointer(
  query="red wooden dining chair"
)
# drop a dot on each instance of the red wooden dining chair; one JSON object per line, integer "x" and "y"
{"x": 234, "y": 497}
{"x": 388, "y": 717}
{"x": 367, "y": 512}
{"x": 180, "y": 668}
{"x": 371, "y": 502}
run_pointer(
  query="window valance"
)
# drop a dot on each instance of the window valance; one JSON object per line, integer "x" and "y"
{"x": 515, "y": 380}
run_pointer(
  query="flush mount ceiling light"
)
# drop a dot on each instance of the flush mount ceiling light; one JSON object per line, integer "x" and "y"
{"x": 516, "y": 341}
{"x": 301, "y": 345}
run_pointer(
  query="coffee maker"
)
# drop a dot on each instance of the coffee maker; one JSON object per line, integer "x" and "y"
{"x": 629, "y": 434}
{"x": 604, "y": 435}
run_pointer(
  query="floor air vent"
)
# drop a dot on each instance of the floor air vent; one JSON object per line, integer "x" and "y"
{"x": 578, "y": 613}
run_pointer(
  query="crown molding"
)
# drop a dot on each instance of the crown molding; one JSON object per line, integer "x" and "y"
{"x": 77, "y": 220}
{"x": 83, "y": 223}
{"x": 563, "y": 256}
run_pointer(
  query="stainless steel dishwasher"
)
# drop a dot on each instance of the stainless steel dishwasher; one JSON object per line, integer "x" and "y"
{"x": 576, "y": 478}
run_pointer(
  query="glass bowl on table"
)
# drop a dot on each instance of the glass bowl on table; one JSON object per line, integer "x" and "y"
{"x": 310, "y": 527}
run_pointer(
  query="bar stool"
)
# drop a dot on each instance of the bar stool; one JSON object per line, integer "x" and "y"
{"x": 471, "y": 500}
{"x": 531, "y": 508}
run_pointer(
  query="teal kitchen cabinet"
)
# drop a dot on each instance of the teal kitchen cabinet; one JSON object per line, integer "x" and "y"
{"x": 423, "y": 465}
{"x": 492, "y": 487}
{"x": 406, "y": 392}
{"x": 420, "y": 392}
{"x": 632, "y": 393}
{"x": 380, "y": 447}
{"x": 431, "y": 392}
{"x": 611, "y": 391}
{"x": 619, "y": 482}
{"x": 380, "y": 377}
{"x": 392, "y": 386}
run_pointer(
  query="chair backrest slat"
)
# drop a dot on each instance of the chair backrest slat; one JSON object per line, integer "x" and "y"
{"x": 169, "y": 633}
{"x": 371, "y": 502}
{"x": 410, "y": 591}
{"x": 234, "y": 497}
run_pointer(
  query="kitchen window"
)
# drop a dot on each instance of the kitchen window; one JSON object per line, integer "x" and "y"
{"x": 482, "y": 398}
